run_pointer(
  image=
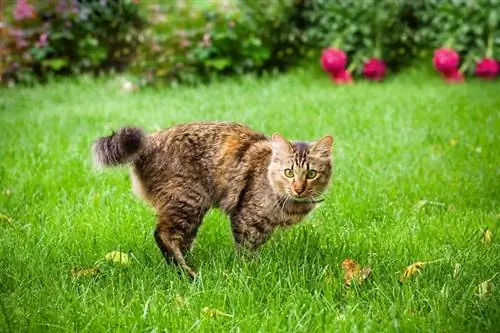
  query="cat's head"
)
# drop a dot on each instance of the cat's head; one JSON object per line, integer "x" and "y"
{"x": 300, "y": 170}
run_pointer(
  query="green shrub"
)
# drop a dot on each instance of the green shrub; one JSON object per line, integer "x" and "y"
{"x": 188, "y": 41}
{"x": 44, "y": 38}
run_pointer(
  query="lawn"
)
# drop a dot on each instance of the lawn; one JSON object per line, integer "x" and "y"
{"x": 416, "y": 179}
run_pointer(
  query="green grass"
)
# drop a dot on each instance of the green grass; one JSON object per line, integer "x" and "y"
{"x": 408, "y": 139}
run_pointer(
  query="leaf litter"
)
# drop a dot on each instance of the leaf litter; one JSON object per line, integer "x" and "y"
{"x": 117, "y": 257}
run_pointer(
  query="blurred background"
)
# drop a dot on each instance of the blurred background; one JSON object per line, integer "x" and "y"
{"x": 191, "y": 41}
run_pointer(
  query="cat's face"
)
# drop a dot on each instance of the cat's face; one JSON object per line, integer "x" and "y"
{"x": 300, "y": 170}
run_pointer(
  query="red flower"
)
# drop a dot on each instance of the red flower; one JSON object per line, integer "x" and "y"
{"x": 333, "y": 60}
{"x": 487, "y": 68}
{"x": 343, "y": 77}
{"x": 445, "y": 60}
{"x": 374, "y": 69}
{"x": 454, "y": 77}
{"x": 23, "y": 10}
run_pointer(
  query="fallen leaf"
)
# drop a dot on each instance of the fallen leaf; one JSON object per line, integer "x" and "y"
{"x": 5, "y": 218}
{"x": 129, "y": 86}
{"x": 85, "y": 272}
{"x": 424, "y": 202}
{"x": 214, "y": 312}
{"x": 353, "y": 271}
{"x": 456, "y": 270}
{"x": 181, "y": 301}
{"x": 7, "y": 192}
{"x": 487, "y": 236}
{"x": 95, "y": 198}
{"x": 413, "y": 269}
{"x": 484, "y": 288}
{"x": 118, "y": 257}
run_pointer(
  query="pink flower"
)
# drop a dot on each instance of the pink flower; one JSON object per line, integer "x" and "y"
{"x": 445, "y": 60}
{"x": 42, "y": 40}
{"x": 374, "y": 69}
{"x": 333, "y": 60}
{"x": 487, "y": 68}
{"x": 343, "y": 77}
{"x": 23, "y": 10}
{"x": 454, "y": 77}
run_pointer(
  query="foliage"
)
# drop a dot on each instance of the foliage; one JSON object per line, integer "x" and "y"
{"x": 470, "y": 27}
{"x": 191, "y": 41}
{"x": 67, "y": 36}
{"x": 187, "y": 41}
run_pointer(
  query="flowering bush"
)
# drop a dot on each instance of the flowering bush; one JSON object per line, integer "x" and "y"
{"x": 362, "y": 29}
{"x": 470, "y": 28}
{"x": 192, "y": 41}
{"x": 42, "y": 38}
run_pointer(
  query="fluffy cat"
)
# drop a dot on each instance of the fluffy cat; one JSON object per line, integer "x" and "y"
{"x": 260, "y": 182}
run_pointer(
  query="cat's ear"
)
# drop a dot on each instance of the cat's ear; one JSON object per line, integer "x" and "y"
{"x": 323, "y": 147}
{"x": 280, "y": 144}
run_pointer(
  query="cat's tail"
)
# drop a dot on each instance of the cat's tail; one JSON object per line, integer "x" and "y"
{"x": 119, "y": 148}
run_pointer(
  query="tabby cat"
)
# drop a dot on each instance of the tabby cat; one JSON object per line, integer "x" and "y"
{"x": 260, "y": 182}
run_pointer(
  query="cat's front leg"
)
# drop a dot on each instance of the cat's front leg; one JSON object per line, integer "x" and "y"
{"x": 250, "y": 229}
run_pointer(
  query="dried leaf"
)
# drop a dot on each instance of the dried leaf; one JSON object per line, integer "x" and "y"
{"x": 354, "y": 272}
{"x": 424, "y": 202}
{"x": 129, "y": 86}
{"x": 456, "y": 270}
{"x": 5, "y": 218}
{"x": 181, "y": 301}
{"x": 7, "y": 192}
{"x": 487, "y": 236}
{"x": 85, "y": 272}
{"x": 484, "y": 288}
{"x": 413, "y": 269}
{"x": 214, "y": 312}
{"x": 118, "y": 257}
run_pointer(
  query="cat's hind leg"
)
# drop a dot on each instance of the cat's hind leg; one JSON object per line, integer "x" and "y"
{"x": 178, "y": 222}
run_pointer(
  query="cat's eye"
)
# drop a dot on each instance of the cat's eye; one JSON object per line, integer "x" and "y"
{"x": 311, "y": 174}
{"x": 289, "y": 173}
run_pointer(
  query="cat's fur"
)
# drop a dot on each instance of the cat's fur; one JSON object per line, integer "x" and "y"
{"x": 185, "y": 170}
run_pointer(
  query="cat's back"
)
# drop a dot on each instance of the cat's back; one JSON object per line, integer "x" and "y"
{"x": 214, "y": 146}
{"x": 208, "y": 135}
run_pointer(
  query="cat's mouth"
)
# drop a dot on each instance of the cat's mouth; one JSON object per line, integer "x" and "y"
{"x": 306, "y": 200}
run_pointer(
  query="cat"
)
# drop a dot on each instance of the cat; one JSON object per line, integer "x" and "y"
{"x": 183, "y": 171}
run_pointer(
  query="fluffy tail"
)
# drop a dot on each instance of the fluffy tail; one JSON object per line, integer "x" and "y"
{"x": 119, "y": 148}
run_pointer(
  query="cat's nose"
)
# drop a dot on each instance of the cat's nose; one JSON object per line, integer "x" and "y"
{"x": 299, "y": 188}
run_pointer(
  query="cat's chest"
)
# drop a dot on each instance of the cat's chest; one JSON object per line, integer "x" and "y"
{"x": 292, "y": 213}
